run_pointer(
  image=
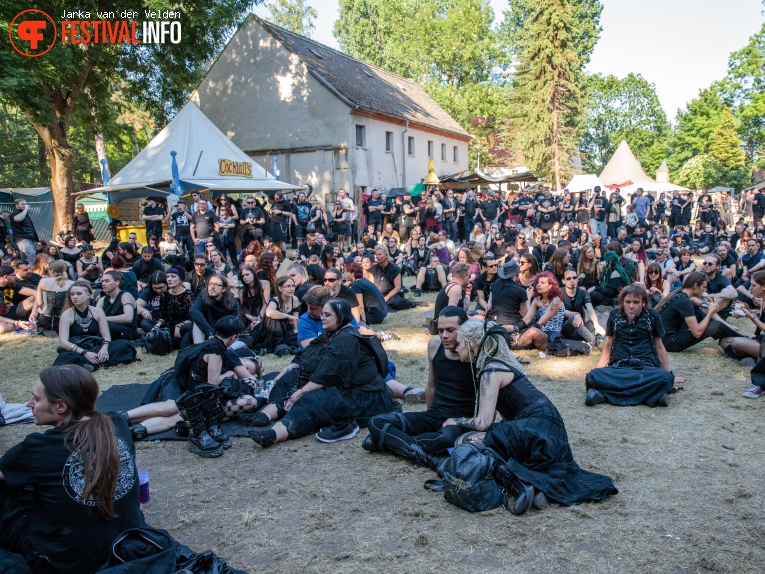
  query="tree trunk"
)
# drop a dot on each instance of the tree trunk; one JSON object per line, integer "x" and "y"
{"x": 61, "y": 157}
{"x": 101, "y": 153}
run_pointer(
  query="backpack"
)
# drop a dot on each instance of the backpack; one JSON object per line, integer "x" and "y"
{"x": 468, "y": 478}
{"x": 159, "y": 341}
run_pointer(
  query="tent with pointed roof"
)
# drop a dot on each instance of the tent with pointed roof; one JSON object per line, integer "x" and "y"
{"x": 623, "y": 169}
{"x": 582, "y": 182}
{"x": 206, "y": 159}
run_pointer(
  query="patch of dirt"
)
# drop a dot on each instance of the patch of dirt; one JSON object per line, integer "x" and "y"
{"x": 689, "y": 476}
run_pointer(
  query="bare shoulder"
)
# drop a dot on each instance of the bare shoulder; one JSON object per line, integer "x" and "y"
{"x": 433, "y": 345}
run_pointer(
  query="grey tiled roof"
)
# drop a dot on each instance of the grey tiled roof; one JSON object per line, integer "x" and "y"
{"x": 366, "y": 86}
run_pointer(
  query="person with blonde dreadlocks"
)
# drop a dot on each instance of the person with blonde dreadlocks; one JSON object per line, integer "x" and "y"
{"x": 615, "y": 272}
{"x": 532, "y": 438}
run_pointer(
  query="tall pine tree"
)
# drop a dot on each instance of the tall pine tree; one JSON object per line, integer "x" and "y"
{"x": 546, "y": 100}
{"x": 725, "y": 145}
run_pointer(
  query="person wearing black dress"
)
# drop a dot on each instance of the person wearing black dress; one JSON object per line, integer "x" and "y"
{"x": 532, "y": 440}
{"x": 337, "y": 378}
{"x": 119, "y": 307}
{"x": 83, "y": 333}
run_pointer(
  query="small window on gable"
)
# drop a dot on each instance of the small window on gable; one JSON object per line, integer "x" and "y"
{"x": 456, "y": 154}
{"x": 410, "y": 146}
{"x": 388, "y": 141}
{"x": 443, "y": 152}
{"x": 360, "y": 136}
{"x": 430, "y": 148}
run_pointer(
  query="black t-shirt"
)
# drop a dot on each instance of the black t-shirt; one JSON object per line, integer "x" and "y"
{"x": 204, "y": 224}
{"x": 482, "y": 283}
{"x": 507, "y": 298}
{"x": 182, "y": 222}
{"x": 254, "y": 213}
{"x": 153, "y": 302}
{"x": 143, "y": 269}
{"x": 282, "y": 206}
{"x": 302, "y": 212}
{"x": 11, "y": 297}
{"x": 347, "y": 294}
{"x": 70, "y": 533}
{"x": 198, "y": 283}
{"x": 675, "y": 311}
{"x": 599, "y": 208}
{"x": 635, "y": 340}
{"x": 730, "y": 261}
{"x": 677, "y": 206}
{"x": 707, "y": 238}
{"x": 717, "y": 284}
{"x": 489, "y": 209}
{"x": 371, "y": 295}
{"x": 306, "y": 251}
{"x": 759, "y": 202}
{"x": 384, "y": 278}
{"x": 154, "y": 227}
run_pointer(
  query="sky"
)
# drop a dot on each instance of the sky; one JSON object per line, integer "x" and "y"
{"x": 681, "y": 46}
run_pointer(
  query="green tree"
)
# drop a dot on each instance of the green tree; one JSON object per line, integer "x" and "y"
{"x": 700, "y": 171}
{"x": 725, "y": 145}
{"x": 695, "y": 126}
{"x": 623, "y": 109}
{"x": 80, "y": 77}
{"x": 294, "y": 15}
{"x": 585, "y": 30}
{"x": 546, "y": 100}
{"x": 744, "y": 91}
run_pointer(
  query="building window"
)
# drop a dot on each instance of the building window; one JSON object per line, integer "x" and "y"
{"x": 430, "y": 148}
{"x": 443, "y": 152}
{"x": 360, "y": 136}
{"x": 456, "y": 154}
{"x": 388, "y": 141}
{"x": 410, "y": 146}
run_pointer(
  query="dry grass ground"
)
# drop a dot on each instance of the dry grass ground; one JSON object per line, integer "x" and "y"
{"x": 690, "y": 480}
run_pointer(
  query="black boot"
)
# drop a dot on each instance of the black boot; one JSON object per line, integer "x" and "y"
{"x": 422, "y": 458}
{"x": 138, "y": 432}
{"x": 213, "y": 414}
{"x": 522, "y": 492}
{"x": 191, "y": 408}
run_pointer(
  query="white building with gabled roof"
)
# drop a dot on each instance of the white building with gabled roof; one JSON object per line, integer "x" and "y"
{"x": 330, "y": 120}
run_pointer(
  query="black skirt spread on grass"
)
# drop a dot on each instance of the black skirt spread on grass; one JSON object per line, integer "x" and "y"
{"x": 631, "y": 384}
{"x": 533, "y": 441}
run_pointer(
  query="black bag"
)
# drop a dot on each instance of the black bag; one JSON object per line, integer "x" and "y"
{"x": 159, "y": 341}
{"x": 469, "y": 478}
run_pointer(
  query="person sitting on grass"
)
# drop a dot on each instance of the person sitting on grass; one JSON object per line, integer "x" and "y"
{"x": 338, "y": 378}
{"x": 690, "y": 316}
{"x": 51, "y": 296}
{"x": 634, "y": 366}
{"x": 215, "y": 302}
{"x": 747, "y": 349}
{"x": 431, "y": 277}
{"x": 372, "y": 307}
{"x": 206, "y": 384}
{"x": 387, "y": 277}
{"x": 119, "y": 307}
{"x": 66, "y": 494}
{"x": 310, "y": 327}
{"x": 531, "y": 437}
{"x": 577, "y": 303}
{"x": 449, "y": 392}
{"x": 84, "y": 336}
{"x": 17, "y": 301}
{"x": 456, "y": 293}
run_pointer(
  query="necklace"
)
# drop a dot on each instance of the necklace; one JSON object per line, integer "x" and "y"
{"x": 85, "y": 320}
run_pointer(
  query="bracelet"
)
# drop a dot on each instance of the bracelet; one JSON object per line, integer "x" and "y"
{"x": 107, "y": 343}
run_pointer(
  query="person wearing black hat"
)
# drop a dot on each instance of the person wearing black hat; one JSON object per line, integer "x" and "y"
{"x": 508, "y": 304}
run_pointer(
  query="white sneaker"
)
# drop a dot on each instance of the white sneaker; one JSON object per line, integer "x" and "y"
{"x": 752, "y": 392}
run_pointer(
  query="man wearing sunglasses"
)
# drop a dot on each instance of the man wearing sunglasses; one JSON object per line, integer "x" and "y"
{"x": 485, "y": 280}
{"x": 197, "y": 280}
{"x": 251, "y": 222}
{"x": 718, "y": 286}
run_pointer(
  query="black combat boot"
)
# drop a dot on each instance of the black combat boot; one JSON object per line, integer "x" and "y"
{"x": 191, "y": 408}
{"x": 213, "y": 414}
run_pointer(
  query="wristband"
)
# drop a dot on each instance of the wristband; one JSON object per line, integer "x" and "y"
{"x": 521, "y": 325}
{"x": 107, "y": 343}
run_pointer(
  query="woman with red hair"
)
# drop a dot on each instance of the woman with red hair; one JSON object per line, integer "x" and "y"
{"x": 546, "y": 310}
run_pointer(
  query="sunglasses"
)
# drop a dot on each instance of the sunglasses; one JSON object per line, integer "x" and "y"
{"x": 570, "y": 278}
{"x": 330, "y": 280}
{"x": 200, "y": 264}
{"x": 707, "y": 264}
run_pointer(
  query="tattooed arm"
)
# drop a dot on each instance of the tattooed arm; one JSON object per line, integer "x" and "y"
{"x": 487, "y": 405}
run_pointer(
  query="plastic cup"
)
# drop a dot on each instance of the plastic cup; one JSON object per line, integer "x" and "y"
{"x": 428, "y": 318}
{"x": 143, "y": 485}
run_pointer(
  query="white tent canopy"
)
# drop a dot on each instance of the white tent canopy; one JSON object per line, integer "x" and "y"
{"x": 654, "y": 187}
{"x": 623, "y": 167}
{"x": 206, "y": 159}
{"x": 584, "y": 182}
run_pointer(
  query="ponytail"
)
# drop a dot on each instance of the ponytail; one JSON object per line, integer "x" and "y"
{"x": 92, "y": 434}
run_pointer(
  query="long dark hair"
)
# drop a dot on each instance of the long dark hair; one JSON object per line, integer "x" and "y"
{"x": 266, "y": 263}
{"x": 91, "y": 433}
{"x": 690, "y": 281}
{"x": 342, "y": 309}
{"x": 251, "y": 303}
{"x": 226, "y": 300}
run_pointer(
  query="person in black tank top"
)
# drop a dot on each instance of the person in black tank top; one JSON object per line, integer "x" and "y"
{"x": 456, "y": 293}
{"x": 531, "y": 438}
{"x": 119, "y": 307}
{"x": 450, "y": 392}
